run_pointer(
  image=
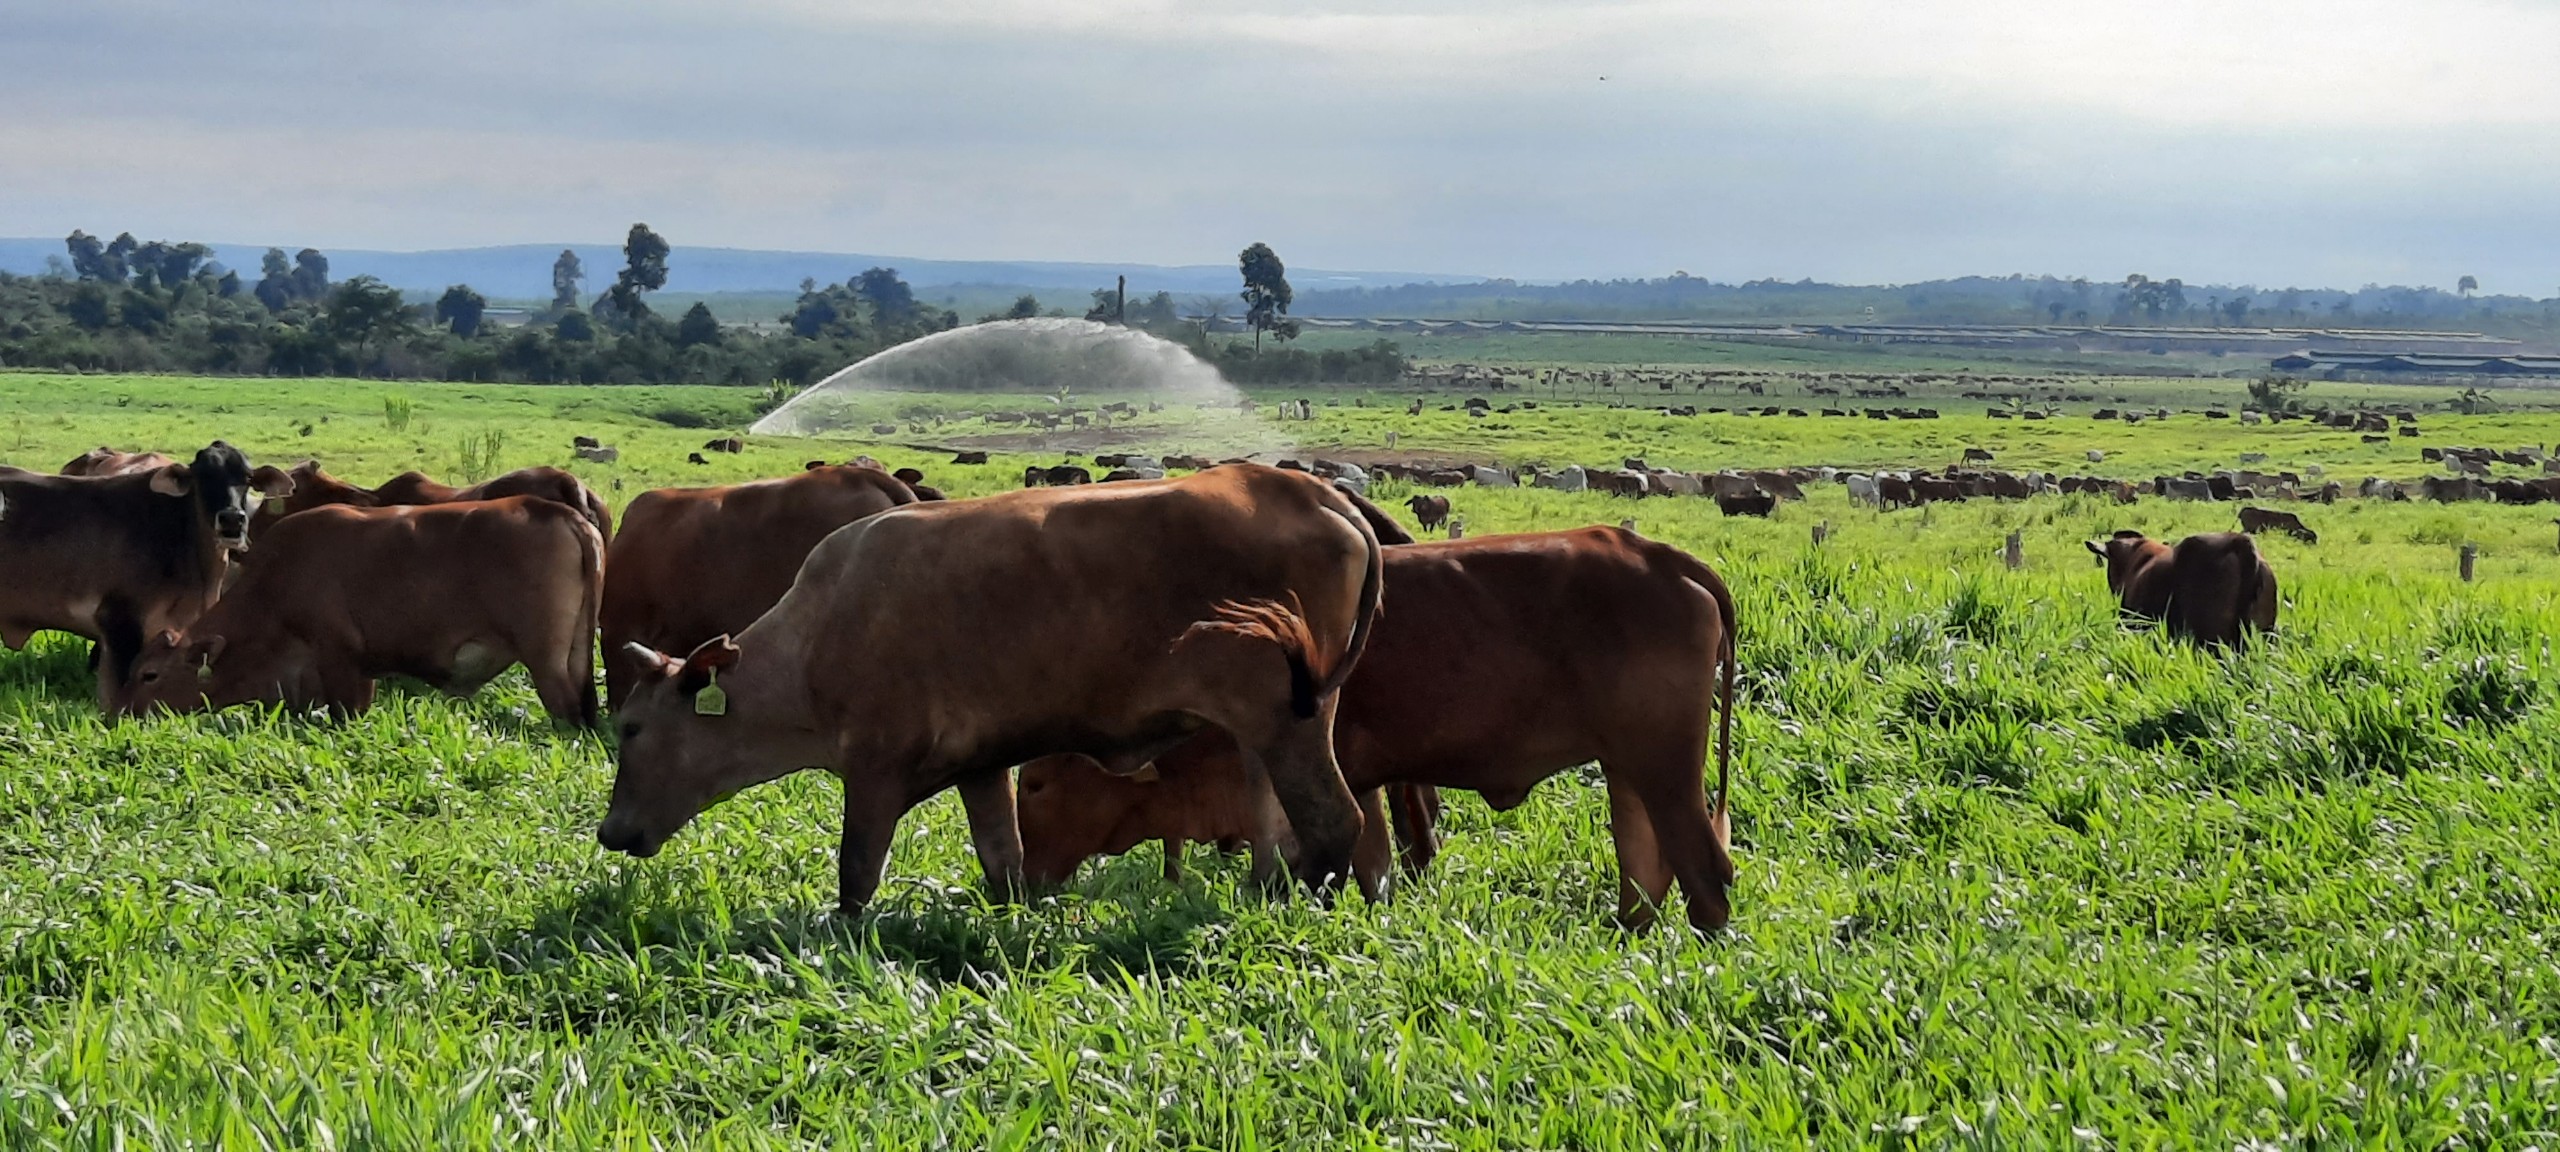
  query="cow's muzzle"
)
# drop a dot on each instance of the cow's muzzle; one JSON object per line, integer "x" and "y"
{"x": 621, "y": 834}
{"x": 233, "y": 526}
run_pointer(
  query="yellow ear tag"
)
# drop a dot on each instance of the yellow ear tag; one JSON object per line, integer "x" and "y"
{"x": 711, "y": 701}
{"x": 204, "y": 671}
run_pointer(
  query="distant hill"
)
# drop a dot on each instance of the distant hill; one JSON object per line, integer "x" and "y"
{"x": 523, "y": 271}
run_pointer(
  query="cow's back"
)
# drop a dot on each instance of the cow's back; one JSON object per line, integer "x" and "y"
{"x": 692, "y": 563}
{"x": 1064, "y": 604}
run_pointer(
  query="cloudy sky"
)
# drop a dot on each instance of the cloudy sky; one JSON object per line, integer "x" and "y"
{"x": 2315, "y": 142}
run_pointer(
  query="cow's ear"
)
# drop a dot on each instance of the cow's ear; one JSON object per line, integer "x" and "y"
{"x": 652, "y": 661}
{"x": 2095, "y": 547}
{"x": 715, "y": 654}
{"x": 1146, "y": 775}
{"x": 271, "y": 481}
{"x": 173, "y": 480}
{"x": 204, "y": 651}
{"x": 813, "y": 465}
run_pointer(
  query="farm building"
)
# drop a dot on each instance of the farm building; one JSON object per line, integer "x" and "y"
{"x": 2336, "y": 364}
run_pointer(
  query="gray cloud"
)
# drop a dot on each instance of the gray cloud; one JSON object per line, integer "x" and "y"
{"x": 1866, "y": 140}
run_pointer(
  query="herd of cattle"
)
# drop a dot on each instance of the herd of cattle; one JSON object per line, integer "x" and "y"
{"x": 1238, "y": 681}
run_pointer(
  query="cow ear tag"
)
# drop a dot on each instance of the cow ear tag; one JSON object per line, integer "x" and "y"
{"x": 204, "y": 671}
{"x": 711, "y": 701}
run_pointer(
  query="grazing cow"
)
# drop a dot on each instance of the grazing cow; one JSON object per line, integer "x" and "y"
{"x": 2181, "y": 488}
{"x": 1121, "y": 475}
{"x": 335, "y": 597}
{"x": 1894, "y": 492}
{"x": 105, "y": 461}
{"x": 576, "y": 442}
{"x": 1925, "y": 490}
{"x": 695, "y": 458}
{"x": 2206, "y": 589}
{"x": 908, "y": 660}
{"x": 1491, "y": 477}
{"x": 2377, "y": 488}
{"x": 1973, "y": 455}
{"x": 971, "y": 457}
{"x": 540, "y": 481}
{"x": 600, "y": 455}
{"x": 1863, "y": 490}
{"x": 1753, "y": 503}
{"x": 1507, "y": 659}
{"x": 1060, "y": 476}
{"x": 694, "y": 563}
{"x": 731, "y": 444}
{"x": 1430, "y": 512}
{"x": 1779, "y": 484}
{"x": 118, "y": 558}
{"x": 2254, "y": 520}
{"x": 1618, "y": 483}
{"x": 2450, "y": 489}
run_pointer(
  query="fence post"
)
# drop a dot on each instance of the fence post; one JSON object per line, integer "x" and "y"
{"x": 2470, "y": 552}
{"x": 1821, "y": 532}
{"x": 1458, "y": 528}
{"x": 2016, "y": 553}
{"x": 1391, "y": 438}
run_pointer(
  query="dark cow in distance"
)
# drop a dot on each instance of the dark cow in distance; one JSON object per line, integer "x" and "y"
{"x": 105, "y": 461}
{"x": 1752, "y": 503}
{"x": 118, "y": 558}
{"x": 1060, "y": 476}
{"x": 334, "y": 598}
{"x": 1430, "y": 513}
{"x": 2209, "y": 588}
{"x": 909, "y": 660}
{"x": 1502, "y": 661}
{"x": 2254, "y": 520}
{"x": 914, "y": 480}
{"x": 694, "y": 563}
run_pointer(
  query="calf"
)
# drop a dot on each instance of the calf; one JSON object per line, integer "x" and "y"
{"x": 1431, "y": 513}
{"x": 118, "y": 558}
{"x": 336, "y": 597}
{"x": 2254, "y": 520}
{"x": 1505, "y": 660}
{"x": 694, "y": 563}
{"x": 2208, "y": 588}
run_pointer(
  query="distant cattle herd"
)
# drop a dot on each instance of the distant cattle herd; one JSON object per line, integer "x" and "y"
{"x": 1237, "y": 680}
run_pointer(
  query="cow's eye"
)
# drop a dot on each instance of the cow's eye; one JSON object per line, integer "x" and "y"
{"x": 148, "y": 677}
{"x": 1033, "y": 787}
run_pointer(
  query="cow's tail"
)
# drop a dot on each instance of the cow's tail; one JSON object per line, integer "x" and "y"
{"x": 1728, "y": 673}
{"x": 582, "y": 661}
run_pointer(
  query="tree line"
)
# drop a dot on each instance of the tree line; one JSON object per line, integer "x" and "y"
{"x": 126, "y": 305}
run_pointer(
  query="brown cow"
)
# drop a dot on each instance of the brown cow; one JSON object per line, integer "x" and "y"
{"x": 1430, "y": 512}
{"x": 694, "y": 563}
{"x": 2208, "y": 588}
{"x": 336, "y": 597}
{"x": 119, "y": 558}
{"x": 1752, "y": 503}
{"x": 909, "y": 659}
{"x": 105, "y": 461}
{"x": 1504, "y": 660}
{"x": 2254, "y": 520}
{"x": 542, "y": 481}
{"x": 315, "y": 488}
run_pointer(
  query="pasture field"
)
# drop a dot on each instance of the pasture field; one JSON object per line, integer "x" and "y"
{"x": 2011, "y": 874}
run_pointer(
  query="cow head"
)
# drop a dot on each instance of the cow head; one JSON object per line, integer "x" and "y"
{"x": 691, "y": 735}
{"x": 178, "y": 672}
{"x": 2121, "y": 555}
{"x": 1071, "y": 811}
{"x": 225, "y": 489}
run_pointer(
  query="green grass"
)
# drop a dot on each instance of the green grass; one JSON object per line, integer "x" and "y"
{"x": 2010, "y": 873}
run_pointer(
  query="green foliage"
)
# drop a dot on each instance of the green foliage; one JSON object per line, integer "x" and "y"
{"x": 396, "y": 411}
{"x": 2044, "y": 879}
{"x": 1266, "y": 292}
{"x": 460, "y": 309}
{"x": 2275, "y": 393}
{"x": 475, "y": 458}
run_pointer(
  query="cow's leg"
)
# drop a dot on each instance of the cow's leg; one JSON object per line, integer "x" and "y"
{"x": 1297, "y": 766}
{"x": 1644, "y": 875}
{"x": 1373, "y": 856}
{"x": 566, "y": 694}
{"x": 344, "y": 688}
{"x": 1416, "y": 809}
{"x": 996, "y": 831}
{"x": 872, "y": 806}
{"x": 1676, "y": 801}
